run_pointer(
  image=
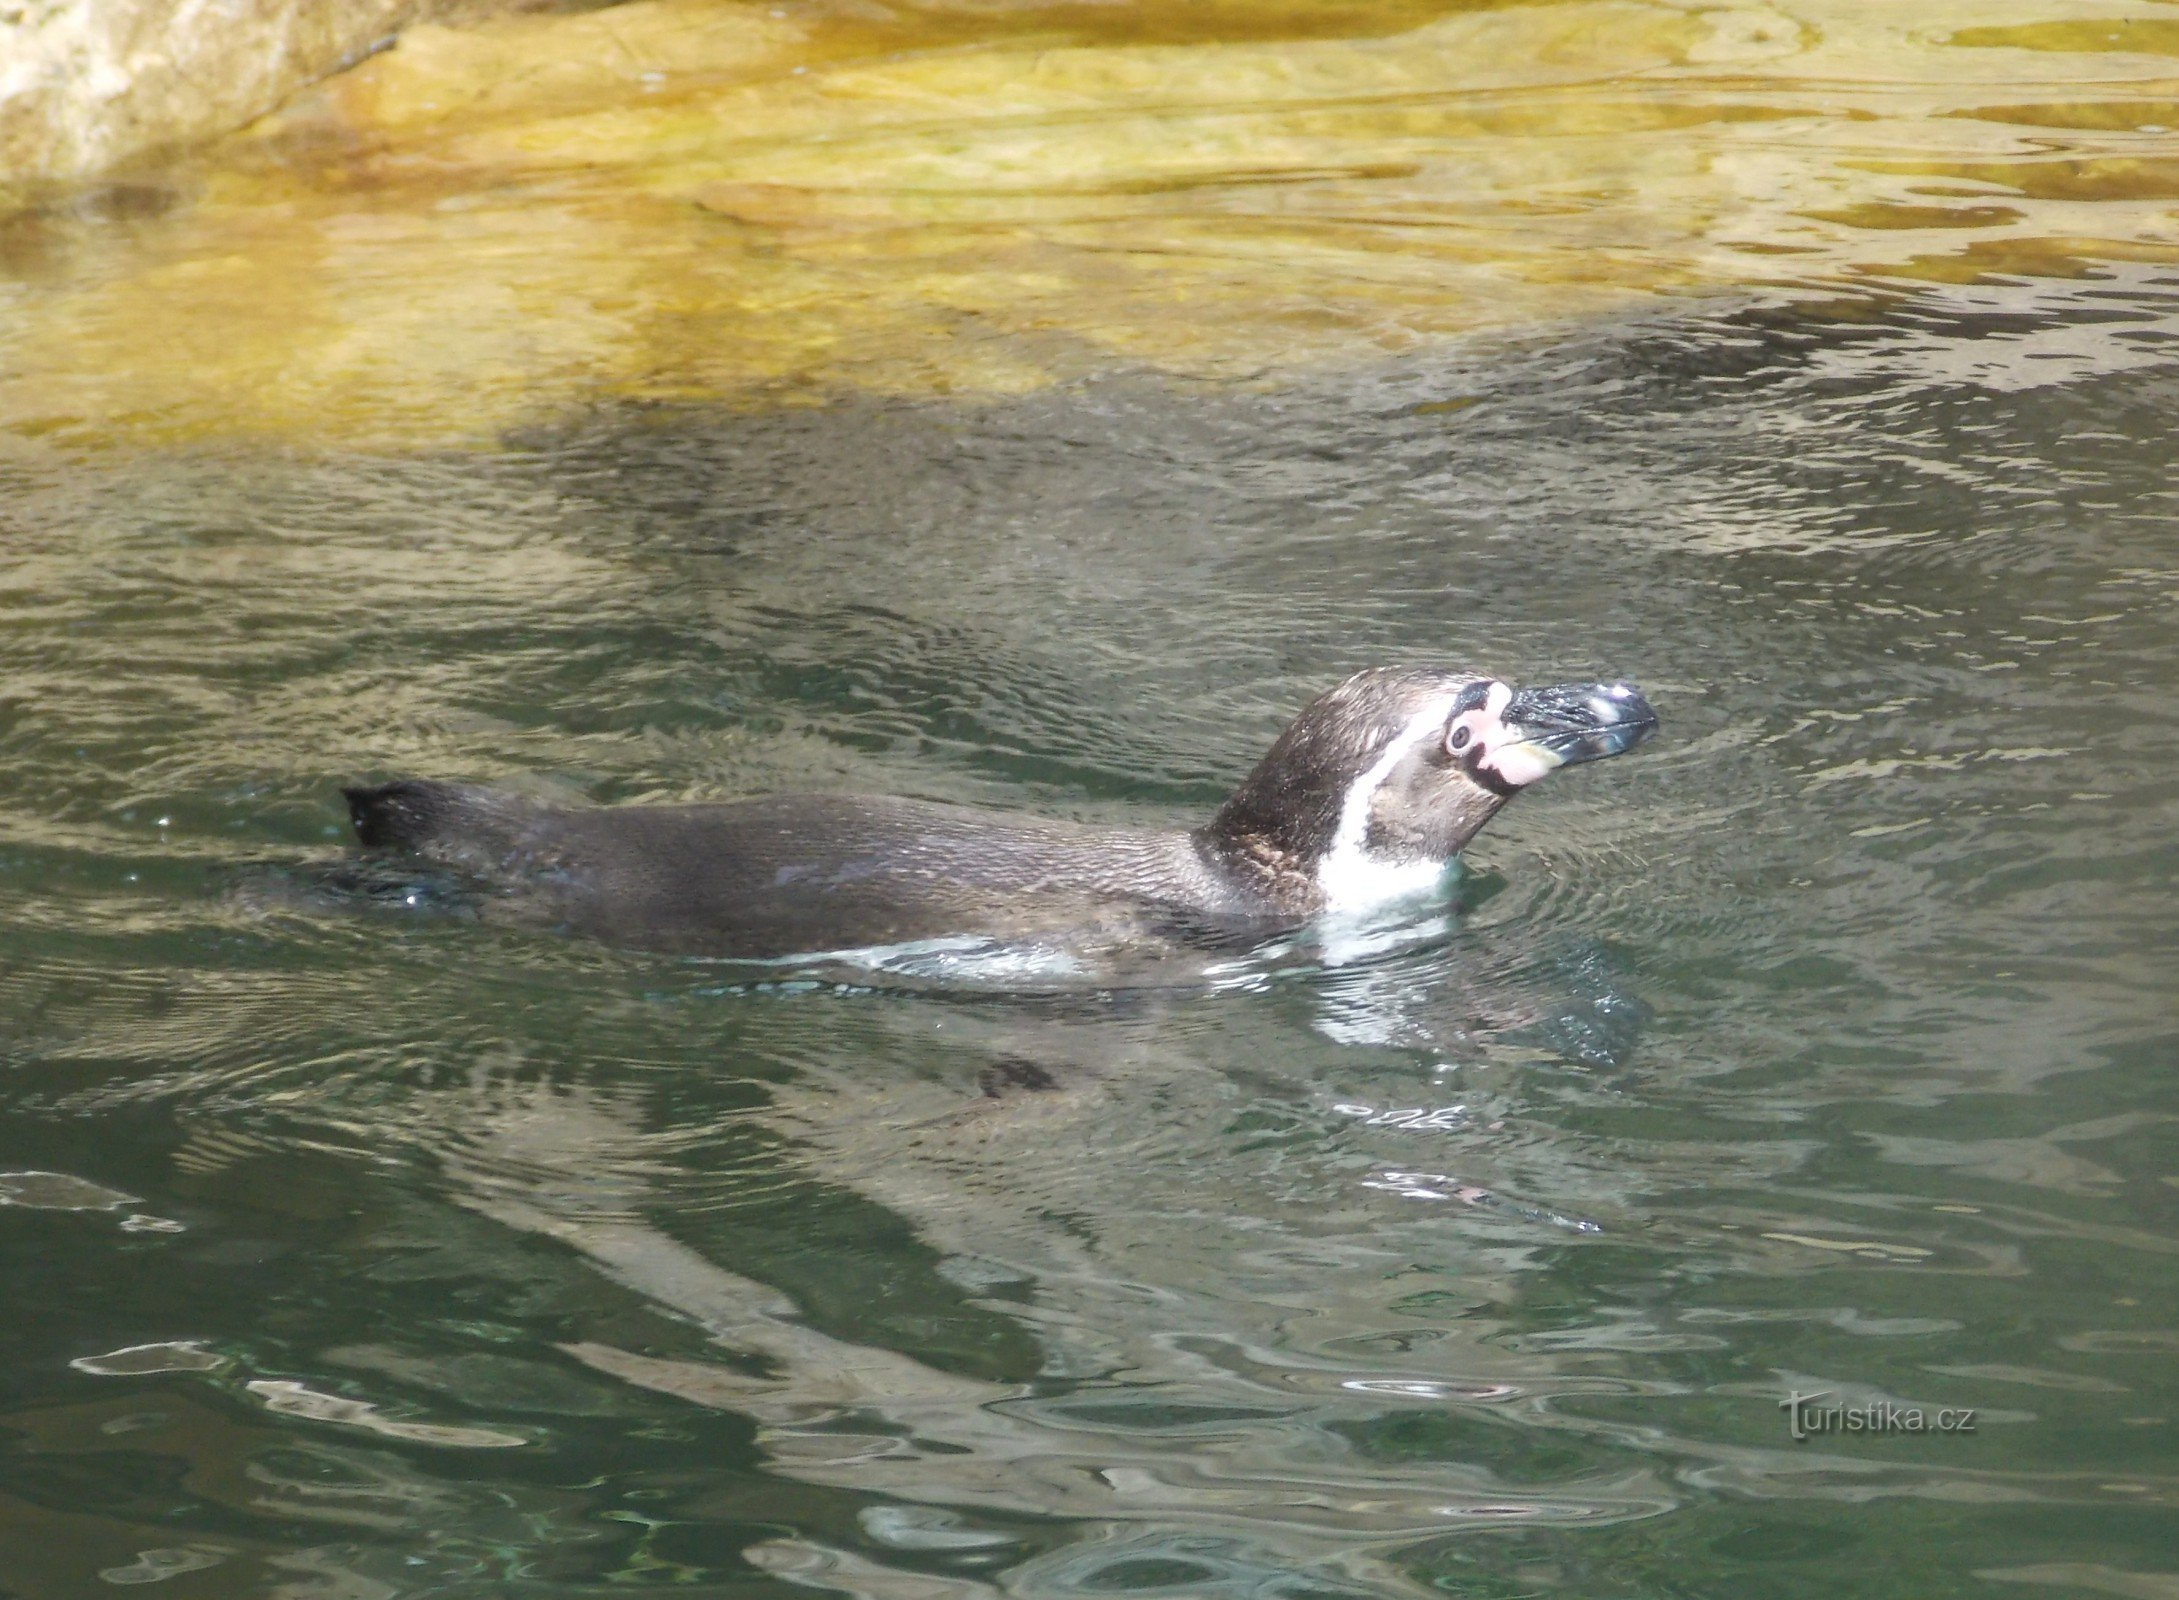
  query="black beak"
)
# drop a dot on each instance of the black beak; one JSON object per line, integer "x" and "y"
{"x": 1571, "y": 722}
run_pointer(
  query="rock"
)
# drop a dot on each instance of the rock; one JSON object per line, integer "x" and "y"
{"x": 87, "y": 86}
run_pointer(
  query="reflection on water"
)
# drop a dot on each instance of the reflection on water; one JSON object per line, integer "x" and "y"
{"x": 678, "y": 199}
{"x": 1819, "y": 1048}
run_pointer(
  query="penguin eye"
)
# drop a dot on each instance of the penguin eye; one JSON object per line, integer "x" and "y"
{"x": 1459, "y": 740}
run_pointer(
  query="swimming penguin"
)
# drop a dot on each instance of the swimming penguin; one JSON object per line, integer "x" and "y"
{"x": 1363, "y": 801}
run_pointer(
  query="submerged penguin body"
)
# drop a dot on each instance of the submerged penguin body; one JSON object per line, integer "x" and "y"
{"x": 1364, "y": 800}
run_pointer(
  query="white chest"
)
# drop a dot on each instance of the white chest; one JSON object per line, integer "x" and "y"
{"x": 1352, "y": 878}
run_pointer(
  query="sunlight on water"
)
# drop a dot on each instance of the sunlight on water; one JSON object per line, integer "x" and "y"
{"x": 688, "y": 198}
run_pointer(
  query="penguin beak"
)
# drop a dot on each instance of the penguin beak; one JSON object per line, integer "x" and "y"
{"x": 1568, "y": 723}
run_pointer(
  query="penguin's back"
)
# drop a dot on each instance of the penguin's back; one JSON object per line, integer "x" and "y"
{"x": 793, "y": 874}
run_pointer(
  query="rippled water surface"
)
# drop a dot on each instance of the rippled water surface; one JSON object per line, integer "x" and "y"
{"x": 356, "y": 1247}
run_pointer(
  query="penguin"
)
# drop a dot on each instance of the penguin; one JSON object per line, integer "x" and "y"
{"x": 1362, "y": 803}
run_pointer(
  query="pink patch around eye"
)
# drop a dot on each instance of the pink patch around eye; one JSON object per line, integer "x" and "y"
{"x": 1479, "y": 726}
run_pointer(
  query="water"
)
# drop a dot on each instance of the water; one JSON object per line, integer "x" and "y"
{"x": 355, "y": 1246}
{"x": 1822, "y": 1045}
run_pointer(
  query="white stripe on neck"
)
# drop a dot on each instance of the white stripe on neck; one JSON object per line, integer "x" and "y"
{"x": 1352, "y": 879}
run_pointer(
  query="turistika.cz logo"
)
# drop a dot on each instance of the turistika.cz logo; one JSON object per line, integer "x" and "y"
{"x": 1807, "y": 1417}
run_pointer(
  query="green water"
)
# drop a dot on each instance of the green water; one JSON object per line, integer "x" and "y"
{"x": 1826, "y": 1044}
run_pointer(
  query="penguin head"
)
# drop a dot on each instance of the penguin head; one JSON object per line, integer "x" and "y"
{"x": 1377, "y": 785}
